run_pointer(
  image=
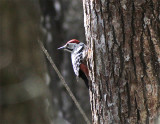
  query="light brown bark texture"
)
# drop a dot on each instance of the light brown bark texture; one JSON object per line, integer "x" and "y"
{"x": 124, "y": 63}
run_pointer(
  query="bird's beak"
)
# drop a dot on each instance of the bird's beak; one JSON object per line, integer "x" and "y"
{"x": 63, "y": 47}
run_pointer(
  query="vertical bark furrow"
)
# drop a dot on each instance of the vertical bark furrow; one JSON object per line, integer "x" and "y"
{"x": 108, "y": 12}
{"x": 119, "y": 108}
{"x": 128, "y": 98}
{"x": 142, "y": 44}
{"x": 145, "y": 100}
{"x": 132, "y": 38}
{"x": 115, "y": 60}
{"x": 122, "y": 21}
{"x": 154, "y": 58}
{"x": 137, "y": 110}
{"x": 144, "y": 75}
{"x": 112, "y": 44}
{"x": 121, "y": 37}
{"x": 151, "y": 6}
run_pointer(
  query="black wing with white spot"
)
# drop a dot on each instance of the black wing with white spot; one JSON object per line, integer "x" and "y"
{"x": 76, "y": 58}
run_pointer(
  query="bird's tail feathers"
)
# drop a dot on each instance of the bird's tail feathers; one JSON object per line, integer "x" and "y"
{"x": 83, "y": 76}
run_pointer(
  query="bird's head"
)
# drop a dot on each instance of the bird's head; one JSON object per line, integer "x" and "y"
{"x": 70, "y": 45}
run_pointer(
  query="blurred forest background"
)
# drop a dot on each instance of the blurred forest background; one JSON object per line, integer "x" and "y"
{"x": 30, "y": 90}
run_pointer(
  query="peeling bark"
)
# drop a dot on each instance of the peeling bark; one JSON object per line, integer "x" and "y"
{"x": 124, "y": 38}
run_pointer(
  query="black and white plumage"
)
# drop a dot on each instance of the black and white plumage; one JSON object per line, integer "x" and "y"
{"x": 78, "y": 55}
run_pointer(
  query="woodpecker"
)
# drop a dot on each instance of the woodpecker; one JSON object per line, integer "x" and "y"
{"x": 78, "y": 52}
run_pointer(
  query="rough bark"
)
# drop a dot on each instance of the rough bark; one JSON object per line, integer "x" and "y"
{"x": 124, "y": 63}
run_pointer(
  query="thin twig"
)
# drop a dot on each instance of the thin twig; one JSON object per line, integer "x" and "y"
{"x": 64, "y": 83}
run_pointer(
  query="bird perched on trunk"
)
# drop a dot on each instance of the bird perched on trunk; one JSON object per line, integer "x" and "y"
{"x": 78, "y": 52}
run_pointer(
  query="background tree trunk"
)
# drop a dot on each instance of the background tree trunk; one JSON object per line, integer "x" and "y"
{"x": 23, "y": 91}
{"x": 124, "y": 38}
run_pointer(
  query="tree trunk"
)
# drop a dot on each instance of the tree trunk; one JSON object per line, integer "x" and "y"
{"x": 22, "y": 88}
{"x": 124, "y": 64}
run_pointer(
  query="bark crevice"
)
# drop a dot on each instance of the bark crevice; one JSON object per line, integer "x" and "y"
{"x": 124, "y": 73}
{"x": 132, "y": 38}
